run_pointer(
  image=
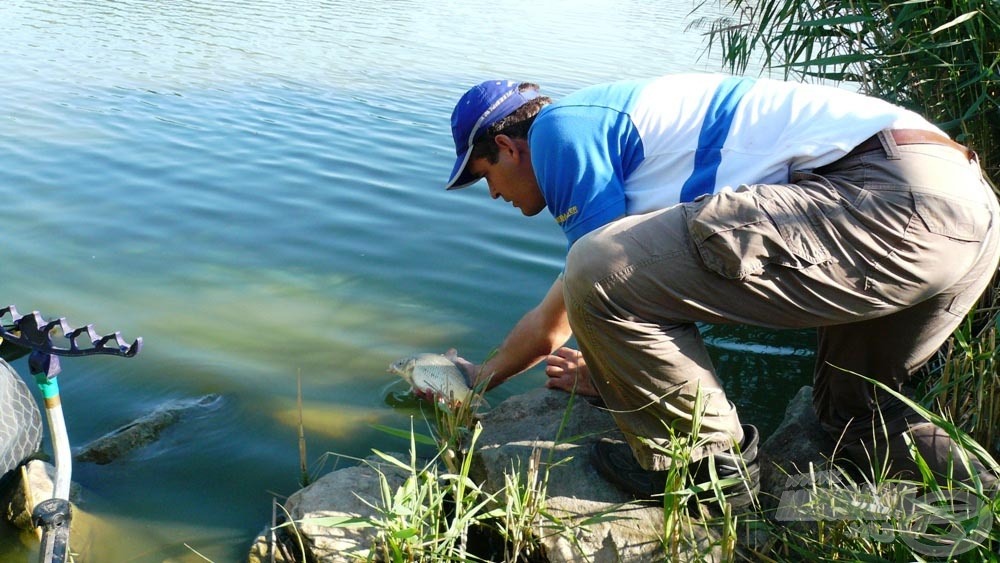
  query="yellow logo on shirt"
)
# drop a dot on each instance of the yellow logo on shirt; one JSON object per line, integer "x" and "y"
{"x": 565, "y": 216}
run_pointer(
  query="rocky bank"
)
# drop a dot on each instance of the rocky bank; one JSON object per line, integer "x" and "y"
{"x": 547, "y": 420}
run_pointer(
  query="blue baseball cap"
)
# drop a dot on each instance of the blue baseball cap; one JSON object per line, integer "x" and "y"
{"x": 483, "y": 105}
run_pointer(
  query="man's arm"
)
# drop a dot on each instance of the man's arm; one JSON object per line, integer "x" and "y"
{"x": 539, "y": 332}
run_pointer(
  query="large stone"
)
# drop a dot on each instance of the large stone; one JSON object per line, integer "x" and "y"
{"x": 798, "y": 446}
{"x": 564, "y": 432}
{"x": 34, "y": 483}
{"x": 589, "y": 519}
{"x": 345, "y": 493}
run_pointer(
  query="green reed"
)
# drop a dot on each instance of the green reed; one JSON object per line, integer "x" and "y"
{"x": 876, "y": 518}
{"x": 429, "y": 517}
{"x": 696, "y": 528}
{"x": 966, "y": 387}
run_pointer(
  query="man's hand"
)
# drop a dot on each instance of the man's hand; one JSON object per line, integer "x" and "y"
{"x": 468, "y": 368}
{"x": 566, "y": 369}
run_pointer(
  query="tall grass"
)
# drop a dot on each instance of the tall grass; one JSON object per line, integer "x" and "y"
{"x": 429, "y": 516}
{"x": 690, "y": 531}
{"x": 432, "y": 515}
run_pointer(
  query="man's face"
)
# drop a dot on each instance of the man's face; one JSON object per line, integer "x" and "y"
{"x": 511, "y": 177}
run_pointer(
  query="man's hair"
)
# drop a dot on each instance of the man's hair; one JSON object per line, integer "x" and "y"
{"x": 515, "y": 126}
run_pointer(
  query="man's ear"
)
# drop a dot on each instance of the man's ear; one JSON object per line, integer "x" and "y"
{"x": 509, "y": 145}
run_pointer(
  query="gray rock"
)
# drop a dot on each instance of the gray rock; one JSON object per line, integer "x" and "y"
{"x": 797, "y": 443}
{"x": 344, "y": 493}
{"x": 596, "y": 522}
{"x": 34, "y": 483}
{"x": 540, "y": 419}
{"x": 141, "y": 431}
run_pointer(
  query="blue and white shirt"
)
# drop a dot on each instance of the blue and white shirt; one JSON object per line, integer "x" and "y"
{"x": 633, "y": 147}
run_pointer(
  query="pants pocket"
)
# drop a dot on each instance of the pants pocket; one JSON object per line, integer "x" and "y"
{"x": 965, "y": 221}
{"x": 736, "y": 237}
{"x": 963, "y": 224}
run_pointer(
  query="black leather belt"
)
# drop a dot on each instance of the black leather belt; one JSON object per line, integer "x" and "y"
{"x": 911, "y": 137}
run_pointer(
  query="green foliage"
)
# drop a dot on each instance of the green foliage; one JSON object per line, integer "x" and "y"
{"x": 831, "y": 514}
{"x": 430, "y": 515}
{"x": 426, "y": 518}
{"x": 941, "y": 59}
{"x": 966, "y": 388}
{"x": 847, "y": 520}
{"x": 899, "y": 520}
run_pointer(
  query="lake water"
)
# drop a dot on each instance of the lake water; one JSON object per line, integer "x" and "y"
{"x": 254, "y": 187}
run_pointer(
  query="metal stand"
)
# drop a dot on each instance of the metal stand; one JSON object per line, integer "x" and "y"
{"x": 33, "y": 332}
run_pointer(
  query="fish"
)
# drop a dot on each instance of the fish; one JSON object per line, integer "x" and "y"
{"x": 436, "y": 374}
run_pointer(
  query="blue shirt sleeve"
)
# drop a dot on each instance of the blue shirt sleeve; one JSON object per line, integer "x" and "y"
{"x": 581, "y": 156}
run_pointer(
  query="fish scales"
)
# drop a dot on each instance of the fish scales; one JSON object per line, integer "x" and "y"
{"x": 433, "y": 373}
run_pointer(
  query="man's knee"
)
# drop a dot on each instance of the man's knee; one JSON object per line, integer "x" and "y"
{"x": 586, "y": 265}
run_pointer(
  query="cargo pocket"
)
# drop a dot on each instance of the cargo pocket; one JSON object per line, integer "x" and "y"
{"x": 959, "y": 220}
{"x": 965, "y": 222}
{"x": 736, "y": 238}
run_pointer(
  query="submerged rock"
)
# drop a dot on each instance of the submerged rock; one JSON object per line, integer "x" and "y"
{"x": 33, "y": 484}
{"x": 141, "y": 431}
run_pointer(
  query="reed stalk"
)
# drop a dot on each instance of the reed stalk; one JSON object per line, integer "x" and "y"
{"x": 966, "y": 389}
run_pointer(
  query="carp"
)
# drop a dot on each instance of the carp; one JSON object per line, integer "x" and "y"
{"x": 434, "y": 373}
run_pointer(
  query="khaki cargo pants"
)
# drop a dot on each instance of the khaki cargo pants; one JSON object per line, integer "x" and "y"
{"x": 884, "y": 252}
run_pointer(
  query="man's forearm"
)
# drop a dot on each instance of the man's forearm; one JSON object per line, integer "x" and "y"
{"x": 533, "y": 338}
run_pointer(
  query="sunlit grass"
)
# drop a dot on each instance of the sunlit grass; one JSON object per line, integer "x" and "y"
{"x": 966, "y": 388}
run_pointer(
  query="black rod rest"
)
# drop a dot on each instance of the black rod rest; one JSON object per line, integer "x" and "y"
{"x": 53, "y": 516}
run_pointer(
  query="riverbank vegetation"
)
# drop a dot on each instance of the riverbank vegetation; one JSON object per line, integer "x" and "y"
{"x": 829, "y": 513}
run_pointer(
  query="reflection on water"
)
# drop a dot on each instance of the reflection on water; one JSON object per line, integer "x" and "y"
{"x": 254, "y": 188}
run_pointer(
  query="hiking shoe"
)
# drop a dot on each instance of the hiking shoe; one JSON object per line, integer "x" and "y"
{"x": 614, "y": 461}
